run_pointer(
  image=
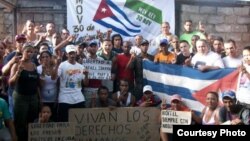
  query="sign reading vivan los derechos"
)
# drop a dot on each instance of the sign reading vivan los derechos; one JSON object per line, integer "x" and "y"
{"x": 119, "y": 124}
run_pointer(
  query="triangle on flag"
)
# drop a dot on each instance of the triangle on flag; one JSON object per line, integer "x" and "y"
{"x": 103, "y": 11}
{"x": 229, "y": 82}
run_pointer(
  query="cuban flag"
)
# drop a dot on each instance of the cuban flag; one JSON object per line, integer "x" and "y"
{"x": 191, "y": 84}
{"x": 126, "y": 17}
{"x": 111, "y": 16}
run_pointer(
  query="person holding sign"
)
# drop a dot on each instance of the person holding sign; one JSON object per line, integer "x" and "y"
{"x": 106, "y": 53}
{"x": 94, "y": 83}
{"x": 176, "y": 105}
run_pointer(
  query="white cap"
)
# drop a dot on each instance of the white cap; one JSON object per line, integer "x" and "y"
{"x": 147, "y": 88}
{"x": 70, "y": 48}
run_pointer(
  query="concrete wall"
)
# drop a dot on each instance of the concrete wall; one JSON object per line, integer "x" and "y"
{"x": 222, "y": 17}
{"x": 228, "y": 20}
{"x": 41, "y": 12}
{"x": 6, "y": 20}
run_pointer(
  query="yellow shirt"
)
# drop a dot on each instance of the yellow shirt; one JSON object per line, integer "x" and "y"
{"x": 164, "y": 58}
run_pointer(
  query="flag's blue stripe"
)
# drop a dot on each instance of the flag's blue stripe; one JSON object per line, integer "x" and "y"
{"x": 118, "y": 30}
{"x": 170, "y": 90}
{"x": 179, "y": 70}
{"x": 131, "y": 30}
{"x": 110, "y": 3}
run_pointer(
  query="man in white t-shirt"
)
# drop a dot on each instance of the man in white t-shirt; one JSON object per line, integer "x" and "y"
{"x": 232, "y": 60}
{"x": 205, "y": 59}
{"x": 136, "y": 48}
{"x": 72, "y": 75}
{"x": 165, "y": 34}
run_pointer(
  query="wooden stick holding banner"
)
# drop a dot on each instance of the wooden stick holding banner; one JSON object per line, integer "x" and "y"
{"x": 170, "y": 118}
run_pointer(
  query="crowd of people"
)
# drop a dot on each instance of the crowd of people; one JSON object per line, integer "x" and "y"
{"x": 43, "y": 75}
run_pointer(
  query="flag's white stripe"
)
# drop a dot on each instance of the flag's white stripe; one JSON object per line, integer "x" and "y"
{"x": 174, "y": 80}
{"x": 124, "y": 21}
{"x": 118, "y": 25}
{"x": 191, "y": 104}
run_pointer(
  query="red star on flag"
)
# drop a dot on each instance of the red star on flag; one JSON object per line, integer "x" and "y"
{"x": 103, "y": 11}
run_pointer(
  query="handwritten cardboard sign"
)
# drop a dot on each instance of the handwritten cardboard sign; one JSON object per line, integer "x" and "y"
{"x": 52, "y": 131}
{"x": 98, "y": 69}
{"x": 119, "y": 124}
{"x": 170, "y": 118}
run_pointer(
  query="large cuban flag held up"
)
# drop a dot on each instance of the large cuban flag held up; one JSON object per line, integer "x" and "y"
{"x": 126, "y": 17}
{"x": 191, "y": 84}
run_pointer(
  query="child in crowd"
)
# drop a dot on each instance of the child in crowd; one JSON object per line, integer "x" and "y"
{"x": 44, "y": 115}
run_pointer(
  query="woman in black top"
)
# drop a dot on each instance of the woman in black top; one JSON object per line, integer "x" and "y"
{"x": 25, "y": 79}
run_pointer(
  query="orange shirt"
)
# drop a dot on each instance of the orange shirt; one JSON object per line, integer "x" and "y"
{"x": 164, "y": 58}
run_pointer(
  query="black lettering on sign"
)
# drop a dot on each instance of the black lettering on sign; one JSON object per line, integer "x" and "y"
{"x": 78, "y": 28}
{"x": 146, "y": 115}
{"x": 79, "y": 19}
{"x": 133, "y": 117}
{"x": 97, "y": 118}
{"x": 79, "y": 1}
{"x": 79, "y": 9}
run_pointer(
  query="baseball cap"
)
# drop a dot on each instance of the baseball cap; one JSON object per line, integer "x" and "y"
{"x": 70, "y": 48}
{"x": 176, "y": 97}
{"x": 144, "y": 42}
{"x": 228, "y": 93}
{"x": 93, "y": 43}
{"x": 163, "y": 42}
{"x": 147, "y": 88}
{"x": 81, "y": 44}
{"x": 20, "y": 37}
